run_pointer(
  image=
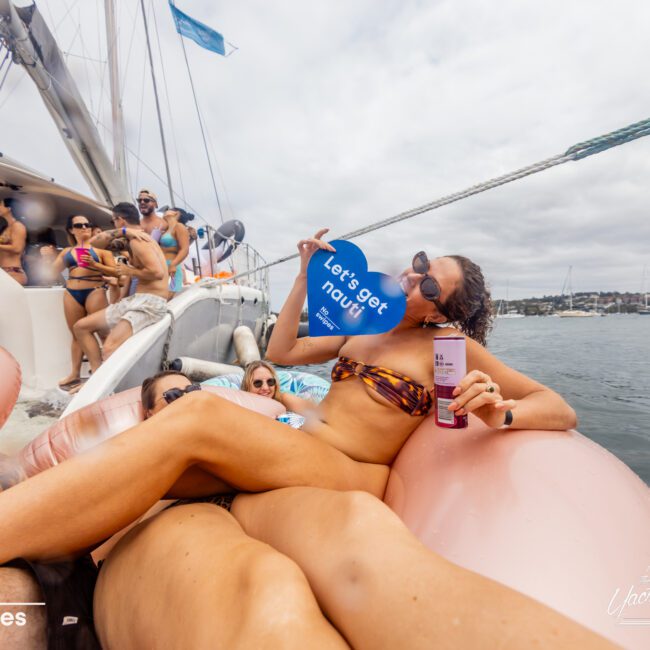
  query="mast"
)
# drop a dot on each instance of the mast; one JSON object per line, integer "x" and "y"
{"x": 26, "y": 34}
{"x": 155, "y": 92}
{"x": 570, "y": 291}
{"x": 119, "y": 154}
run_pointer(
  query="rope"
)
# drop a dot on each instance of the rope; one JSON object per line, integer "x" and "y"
{"x": 198, "y": 113}
{"x": 6, "y": 74}
{"x": 169, "y": 111}
{"x": 155, "y": 94}
{"x": 576, "y": 152}
{"x": 164, "y": 362}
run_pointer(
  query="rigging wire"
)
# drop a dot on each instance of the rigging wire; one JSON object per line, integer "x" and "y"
{"x": 6, "y": 74}
{"x": 155, "y": 92}
{"x": 230, "y": 211}
{"x": 137, "y": 157}
{"x": 67, "y": 13}
{"x": 125, "y": 63}
{"x": 198, "y": 112}
{"x": 162, "y": 180}
{"x": 574, "y": 153}
{"x": 169, "y": 108}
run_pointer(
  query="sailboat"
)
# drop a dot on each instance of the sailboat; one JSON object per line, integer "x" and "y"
{"x": 645, "y": 310}
{"x": 571, "y": 312}
{"x": 502, "y": 309}
{"x": 200, "y": 321}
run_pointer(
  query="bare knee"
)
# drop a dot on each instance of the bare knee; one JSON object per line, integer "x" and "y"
{"x": 276, "y": 595}
{"x": 367, "y": 532}
{"x": 362, "y": 516}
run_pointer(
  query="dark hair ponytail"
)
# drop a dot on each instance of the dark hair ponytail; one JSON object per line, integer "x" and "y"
{"x": 470, "y": 306}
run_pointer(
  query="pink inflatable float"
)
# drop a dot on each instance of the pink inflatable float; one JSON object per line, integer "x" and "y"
{"x": 550, "y": 514}
{"x": 10, "y": 380}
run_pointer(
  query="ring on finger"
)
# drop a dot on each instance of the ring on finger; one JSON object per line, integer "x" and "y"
{"x": 490, "y": 388}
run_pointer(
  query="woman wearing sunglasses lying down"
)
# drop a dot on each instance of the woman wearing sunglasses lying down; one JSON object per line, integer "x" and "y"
{"x": 378, "y": 398}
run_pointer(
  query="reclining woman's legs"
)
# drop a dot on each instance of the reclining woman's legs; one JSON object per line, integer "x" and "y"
{"x": 382, "y": 588}
{"x": 93, "y": 495}
{"x": 191, "y": 578}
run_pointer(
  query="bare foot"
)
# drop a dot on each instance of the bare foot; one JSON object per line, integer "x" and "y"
{"x": 72, "y": 378}
{"x": 75, "y": 388}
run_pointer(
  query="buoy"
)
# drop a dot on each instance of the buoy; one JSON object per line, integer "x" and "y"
{"x": 200, "y": 370}
{"x": 10, "y": 380}
{"x": 245, "y": 345}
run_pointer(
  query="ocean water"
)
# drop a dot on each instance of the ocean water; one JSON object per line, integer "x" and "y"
{"x": 600, "y": 365}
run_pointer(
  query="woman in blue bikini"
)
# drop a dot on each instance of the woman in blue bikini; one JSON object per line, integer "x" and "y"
{"x": 175, "y": 244}
{"x": 85, "y": 289}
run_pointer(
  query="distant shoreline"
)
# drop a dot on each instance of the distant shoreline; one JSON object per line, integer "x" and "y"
{"x": 607, "y": 302}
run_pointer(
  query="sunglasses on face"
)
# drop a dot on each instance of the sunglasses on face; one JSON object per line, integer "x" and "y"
{"x": 258, "y": 383}
{"x": 79, "y": 226}
{"x": 173, "y": 394}
{"x": 144, "y": 200}
{"x": 429, "y": 287}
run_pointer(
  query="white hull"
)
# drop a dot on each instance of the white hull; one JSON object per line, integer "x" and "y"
{"x": 510, "y": 316}
{"x": 204, "y": 318}
{"x": 577, "y": 313}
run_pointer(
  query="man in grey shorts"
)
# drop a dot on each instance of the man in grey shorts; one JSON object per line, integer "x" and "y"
{"x": 131, "y": 314}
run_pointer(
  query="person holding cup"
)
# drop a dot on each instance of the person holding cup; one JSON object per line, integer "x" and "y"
{"x": 85, "y": 289}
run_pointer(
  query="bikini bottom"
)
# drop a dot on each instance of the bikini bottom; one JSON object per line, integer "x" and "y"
{"x": 221, "y": 500}
{"x": 81, "y": 295}
{"x": 67, "y": 589}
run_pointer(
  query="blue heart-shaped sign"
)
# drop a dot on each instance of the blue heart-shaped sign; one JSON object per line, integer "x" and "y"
{"x": 344, "y": 298}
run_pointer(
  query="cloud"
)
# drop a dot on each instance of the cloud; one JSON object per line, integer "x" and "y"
{"x": 343, "y": 114}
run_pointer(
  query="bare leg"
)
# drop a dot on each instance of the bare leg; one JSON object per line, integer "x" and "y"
{"x": 73, "y": 312}
{"x": 84, "y": 331}
{"x": 18, "y": 586}
{"x": 89, "y": 497}
{"x": 120, "y": 333}
{"x": 191, "y": 578}
{"x": 382, "y": 588}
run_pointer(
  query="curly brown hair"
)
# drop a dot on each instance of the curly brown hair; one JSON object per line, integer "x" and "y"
{"x": 470, "y": 306}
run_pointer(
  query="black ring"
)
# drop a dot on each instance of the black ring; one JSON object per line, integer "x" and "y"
{"x": 490, "y": 388}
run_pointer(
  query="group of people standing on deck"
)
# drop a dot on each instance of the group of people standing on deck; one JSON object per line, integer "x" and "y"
{"x": 117, "y": 281}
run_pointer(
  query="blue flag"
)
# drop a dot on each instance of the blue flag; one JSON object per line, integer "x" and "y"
{"x": 201, "y": 34}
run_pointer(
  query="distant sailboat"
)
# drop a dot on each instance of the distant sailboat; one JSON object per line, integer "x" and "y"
{"x": 571, "y": 312}
{"x": 502, "y": 309}
{"x": 645, "y": 311}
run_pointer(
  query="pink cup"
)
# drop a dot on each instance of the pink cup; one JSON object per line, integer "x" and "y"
{"x": 82, "y": 251}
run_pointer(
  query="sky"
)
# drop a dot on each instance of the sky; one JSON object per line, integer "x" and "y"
{"x": 339, "y": 114}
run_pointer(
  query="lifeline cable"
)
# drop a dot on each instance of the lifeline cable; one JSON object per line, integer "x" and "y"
{"x": 576, "y": 152}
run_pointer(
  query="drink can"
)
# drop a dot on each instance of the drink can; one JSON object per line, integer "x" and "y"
{"x": 449, "y": 367}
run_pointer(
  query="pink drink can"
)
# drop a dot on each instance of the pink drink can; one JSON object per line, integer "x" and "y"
{"x": 449, "y": 367}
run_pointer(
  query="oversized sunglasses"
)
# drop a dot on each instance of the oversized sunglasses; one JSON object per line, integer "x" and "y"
{"x": 78, "y": 226}
{"x": 258, "y": 383}
{"x": 173, "y": 394}
{"x": 144, "y": 200}
{"x": 429, "y": 287}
